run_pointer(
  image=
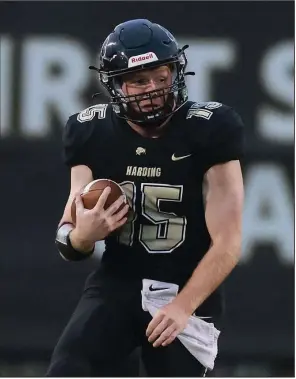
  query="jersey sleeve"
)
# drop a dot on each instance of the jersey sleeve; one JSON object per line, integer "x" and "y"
{"x": 226, "y": 140}
{"x": 76, "y": 142}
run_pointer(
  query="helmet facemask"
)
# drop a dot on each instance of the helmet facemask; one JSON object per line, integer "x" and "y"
{"x": 174, "y": 95}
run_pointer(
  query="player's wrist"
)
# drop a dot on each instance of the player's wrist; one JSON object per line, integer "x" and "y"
{"x": 79, "y": 243}
{"x": 185, "y": 303}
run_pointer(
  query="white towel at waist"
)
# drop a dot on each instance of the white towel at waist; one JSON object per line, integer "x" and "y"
{"x": 199, "y": 337}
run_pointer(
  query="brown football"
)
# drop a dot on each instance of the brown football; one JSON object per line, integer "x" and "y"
{"x": 92, "y": 192}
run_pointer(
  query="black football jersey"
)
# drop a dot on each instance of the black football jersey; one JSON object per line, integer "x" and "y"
{"x": 166, "y": 234}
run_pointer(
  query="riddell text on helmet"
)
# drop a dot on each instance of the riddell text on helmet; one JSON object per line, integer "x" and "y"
{"x": 143, "y": 58}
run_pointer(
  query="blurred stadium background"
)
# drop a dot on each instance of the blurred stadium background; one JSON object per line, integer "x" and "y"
{"x": 243, "y": 55}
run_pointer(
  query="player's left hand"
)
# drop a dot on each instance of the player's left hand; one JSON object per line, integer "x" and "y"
{"x": 166, "y": 324}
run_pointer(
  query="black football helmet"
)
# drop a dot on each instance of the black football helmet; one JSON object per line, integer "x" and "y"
{"x": 136, "y": 45}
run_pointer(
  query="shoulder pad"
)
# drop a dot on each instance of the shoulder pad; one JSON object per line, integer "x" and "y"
{"x": 78, "y": 134}
{"x": 97, "y": 111}
{"x": 206, "y": 110}
{"x": 220, "y": 131}
{"x": 80, "y": 126}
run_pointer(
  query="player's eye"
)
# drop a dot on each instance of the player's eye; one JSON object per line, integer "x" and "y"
{"x": 162, "y": 79}
{"x": 146, "y": 81}
{"x": 142, "y": 81}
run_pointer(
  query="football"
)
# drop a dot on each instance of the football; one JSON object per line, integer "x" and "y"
{"x": 92, "y": 192}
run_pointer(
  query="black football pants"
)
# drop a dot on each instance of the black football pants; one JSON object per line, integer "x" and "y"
{"x": 106, "y": 327}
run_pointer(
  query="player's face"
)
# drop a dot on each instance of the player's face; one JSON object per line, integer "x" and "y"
{"x": 139, "y": 83}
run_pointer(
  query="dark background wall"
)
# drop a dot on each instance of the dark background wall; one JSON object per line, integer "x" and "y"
{"x": 243, "y": 55}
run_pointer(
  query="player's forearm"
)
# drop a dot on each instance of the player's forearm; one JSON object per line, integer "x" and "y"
{"x": 80, "y": 244}
{"x": 215, "y": 266}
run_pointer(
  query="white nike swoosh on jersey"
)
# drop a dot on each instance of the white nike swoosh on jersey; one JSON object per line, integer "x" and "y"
{"x": 174, "y": 158}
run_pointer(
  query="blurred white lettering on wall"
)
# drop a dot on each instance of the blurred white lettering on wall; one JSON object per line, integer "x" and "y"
{"x": 205, "y": 57}
{"x": 55, "y": 72}
{"x": 276, "y": 118}
{"x": 268, "y": 214}
{"x": 6, "y": 54}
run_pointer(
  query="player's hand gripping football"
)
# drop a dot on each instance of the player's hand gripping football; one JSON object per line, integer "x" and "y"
{"x": 97, "y": 223}
{"x": 166, "y": 324}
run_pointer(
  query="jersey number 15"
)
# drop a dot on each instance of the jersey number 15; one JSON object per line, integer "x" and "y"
{"x": 166, "y": 230}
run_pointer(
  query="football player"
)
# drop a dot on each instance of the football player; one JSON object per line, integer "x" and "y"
{"x": 180, "y": 235}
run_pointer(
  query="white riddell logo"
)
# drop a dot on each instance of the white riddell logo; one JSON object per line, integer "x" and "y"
{"x": 142, "y": 58}
{"x": 174, "y": 158}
